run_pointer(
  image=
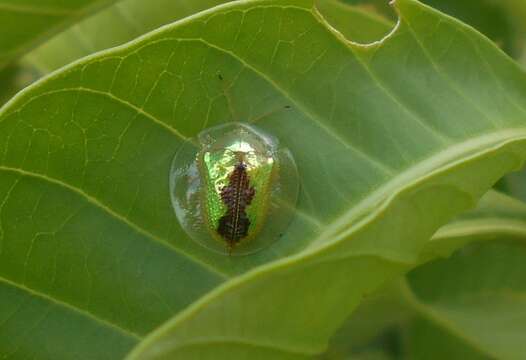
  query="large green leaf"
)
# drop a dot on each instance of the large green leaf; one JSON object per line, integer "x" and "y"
{"x": 473, "y": 305}
{"x": 87, "y": 227}
{"x": 382, "y": 243}
{"x": 432, "y": 334}
{"x": 26, "y": 23}
{"x": 119, "y": 23}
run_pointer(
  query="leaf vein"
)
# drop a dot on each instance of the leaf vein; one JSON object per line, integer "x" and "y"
{"x": 51, "y": 300}
{"x": 312, "y": 116}
{"x": 115, "y": 215}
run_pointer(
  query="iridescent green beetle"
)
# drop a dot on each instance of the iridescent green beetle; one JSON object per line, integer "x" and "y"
{"x": 234, "y": 189}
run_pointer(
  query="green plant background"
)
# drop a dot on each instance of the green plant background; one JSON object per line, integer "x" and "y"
{"x": 397, "y": 130}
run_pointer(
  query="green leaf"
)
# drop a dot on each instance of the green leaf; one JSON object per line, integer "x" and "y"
{"x": 502, "y": 21}
{"x": 129, "y": 19}
{"x": 374, "y": 324}
{"x": 119, "y": 23}
{"x": 496, "y": 215}
{"x": 378, "y": 6}
{"x": 356, "y": 23}
{"x": 473, "y": 305}
{"x": 487, "y": 16}
{"x": 371, "y": 241}
{"x": 87, "y": 228}
{"x": 26, "y": 23}
{"x": 514, "y": 184}
{"x": 428, "y": 341}
{"x": 388, "y": 311}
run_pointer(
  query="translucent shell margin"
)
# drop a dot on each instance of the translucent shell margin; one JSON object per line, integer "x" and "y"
{"x": 201, "y": 169}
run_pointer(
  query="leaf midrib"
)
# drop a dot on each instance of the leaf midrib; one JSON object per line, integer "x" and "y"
{"x": 461, "y": 152}
{"x": 193, "y": 309}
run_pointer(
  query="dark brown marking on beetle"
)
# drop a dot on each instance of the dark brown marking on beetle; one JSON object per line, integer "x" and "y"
{"x": 234, "y": 225}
